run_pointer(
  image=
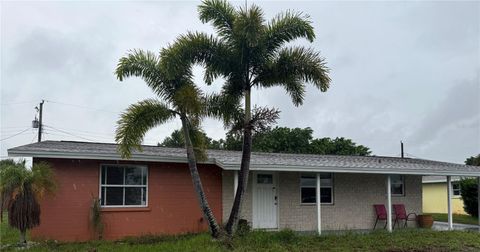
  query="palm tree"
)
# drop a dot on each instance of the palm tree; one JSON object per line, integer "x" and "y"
{"x": 250, "y": 53}
{"x": 21, "y": 189}
{"x": 181, "y": 98}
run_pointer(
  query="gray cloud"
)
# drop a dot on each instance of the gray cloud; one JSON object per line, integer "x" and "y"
{"x": 400, "y": 71}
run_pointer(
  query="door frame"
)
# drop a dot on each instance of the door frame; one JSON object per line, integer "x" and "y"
{"x": 275, "y": 176}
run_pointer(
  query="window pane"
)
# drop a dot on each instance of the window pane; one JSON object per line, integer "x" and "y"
{"x": 102, "y": 197}
{"x": 144, "y": 196}
{"x": 133, "y": 196}
{"x": 264, "y": 179}
{"x": 309, "y": 181}
{"x": 114, "y": 175}
{"x": 308, "y": 195}
{"x": 103, "y": 174}
{"x": 133, "y": 176}
{"x": 397, "y": 179}
{"x": 326, "y": 195}
{"x": 144, "y": 176}
{"x": 397, "y": 189}
{"x": 114, "y": 196}
{"x": 456, "y": 186}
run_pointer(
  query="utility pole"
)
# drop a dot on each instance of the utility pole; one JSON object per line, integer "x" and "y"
{"x": 401, "y": 146}
{"x": 40, "y": 125}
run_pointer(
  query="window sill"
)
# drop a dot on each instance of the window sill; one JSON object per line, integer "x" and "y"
{"x": 314, "y": 204}
{"x": 125, "y": 209}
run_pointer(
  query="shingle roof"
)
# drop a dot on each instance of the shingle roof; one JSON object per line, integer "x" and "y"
{"x": 230, "y": 160}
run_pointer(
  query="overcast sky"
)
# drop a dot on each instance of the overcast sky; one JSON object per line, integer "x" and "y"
{"x": 400, "y": 71}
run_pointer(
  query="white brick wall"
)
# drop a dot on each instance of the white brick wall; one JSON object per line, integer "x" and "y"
{"x": 354, "y": 197}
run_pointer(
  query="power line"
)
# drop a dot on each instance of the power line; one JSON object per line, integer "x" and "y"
{"x": 81, "y": 106}
{"x": 68, "y": 133}
{"x": 14, "y": 134}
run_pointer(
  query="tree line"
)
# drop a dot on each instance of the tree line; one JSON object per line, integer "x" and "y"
{"x": 278, "y": 140}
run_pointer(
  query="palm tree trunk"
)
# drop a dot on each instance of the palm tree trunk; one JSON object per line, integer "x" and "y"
{"x": 197, "y": 183}
{"x": 244, "y": 167}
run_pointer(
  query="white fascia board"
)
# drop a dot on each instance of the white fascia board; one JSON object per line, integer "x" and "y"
{"x": 254, "y": 167}
{"x": 234, "y": 166}
{"x": 100, "y": 156}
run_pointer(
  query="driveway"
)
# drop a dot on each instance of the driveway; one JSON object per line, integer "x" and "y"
{"x": 438, "y": 225}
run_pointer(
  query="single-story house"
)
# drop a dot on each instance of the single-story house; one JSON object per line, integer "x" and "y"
{"x": 152, "y": 192}
{"x": 435, "y": 195}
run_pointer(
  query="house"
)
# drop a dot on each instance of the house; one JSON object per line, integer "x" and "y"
{"x": 152, "y": 192}
{"x": 435, "y": 195}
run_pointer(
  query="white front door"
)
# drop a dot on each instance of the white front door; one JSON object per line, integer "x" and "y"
{"x": 265, "y": 200}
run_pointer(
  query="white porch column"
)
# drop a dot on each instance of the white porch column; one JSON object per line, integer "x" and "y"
{"x": 318, "y": 202}
{"x": 235, "y": 183}
{"x": 478, "y": 184}
{"x": 449, "y": 195}
{"x": 389, "y": 203}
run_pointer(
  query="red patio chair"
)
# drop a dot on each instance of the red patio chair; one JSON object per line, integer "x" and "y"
{"x": 401, "y": 214}
{"x": 381, "y": 212}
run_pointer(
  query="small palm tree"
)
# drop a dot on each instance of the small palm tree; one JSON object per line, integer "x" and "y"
{"x": 250, "y": 53}
{"x": 20, "y": 192}
{"x": 181, "y": 98}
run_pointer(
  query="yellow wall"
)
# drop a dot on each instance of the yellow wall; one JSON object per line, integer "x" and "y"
{"x": 435, "y": 199}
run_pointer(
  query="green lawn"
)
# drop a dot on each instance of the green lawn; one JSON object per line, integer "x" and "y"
{"x": 457, "y": 218}
{"x": 402, "y": 240}
{"x": 7, "y": 234}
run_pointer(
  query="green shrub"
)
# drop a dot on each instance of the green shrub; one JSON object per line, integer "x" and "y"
{"x": 470, "y": 196}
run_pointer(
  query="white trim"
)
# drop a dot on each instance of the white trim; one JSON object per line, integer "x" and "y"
{"x": 100, "y": 185}
{"x": 478, "y": 200}
{"x": 235, "y": 166}
{"x": 319, "y": 204}
{"x": 449, "y": 203}
{"x": 389, "y": 203}
{"x": 235, "y": 183}
{"x": 332, "y": 193}
{"x": 403, "y": 187}
{"x": 254, "y": 187}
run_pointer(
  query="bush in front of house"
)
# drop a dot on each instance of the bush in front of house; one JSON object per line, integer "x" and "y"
{"x": 470, "y": 196}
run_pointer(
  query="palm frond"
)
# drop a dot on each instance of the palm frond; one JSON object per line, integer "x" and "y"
{"x": 137, "y": 120}
{"x": 249, "y": 27}
{"x": 224, "y": 107}
{"x": 146, "y": 65}
{"x": 220, "y": 13}
{"x": 290, "y": 68}
{"x": 287, "y": 27}
{"x": 197, "y": 48}
{"x": 43, "y": 180}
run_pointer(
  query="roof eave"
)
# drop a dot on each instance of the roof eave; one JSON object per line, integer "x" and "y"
{"x": 234, "y": 166}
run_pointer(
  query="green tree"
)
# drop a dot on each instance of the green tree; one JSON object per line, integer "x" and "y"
{"x": 469, "y": 188}
{"x": 251, "y": 53}
{"x": 473, "y": 160}
{"x": 21, "y": 189}
{"x": 181, "y": 98}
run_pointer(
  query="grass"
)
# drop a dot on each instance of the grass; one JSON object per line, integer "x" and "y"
{"x": 402, "y": 240}
{"x": 8, "y": 235}
{"x": 457, "y": 218}
{"x": 286, "y": 240}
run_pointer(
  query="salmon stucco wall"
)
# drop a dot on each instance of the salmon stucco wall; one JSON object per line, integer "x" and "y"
{"x": 172, "y": 202}
{"x": 435, "y": 199}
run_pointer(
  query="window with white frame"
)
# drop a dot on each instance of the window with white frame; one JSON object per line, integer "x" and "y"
{"x": 308, "y": 188}
{"x": 456, "y": 189}
{"x": 397, "y": 185}
{"x": 123, "y": 185}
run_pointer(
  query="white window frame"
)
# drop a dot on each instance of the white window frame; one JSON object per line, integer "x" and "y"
{"x": 403, "y": 187}
{"x": 100, "y": 185}
{"x": 321, "y": 186}
{"x": 459, "y": 190}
